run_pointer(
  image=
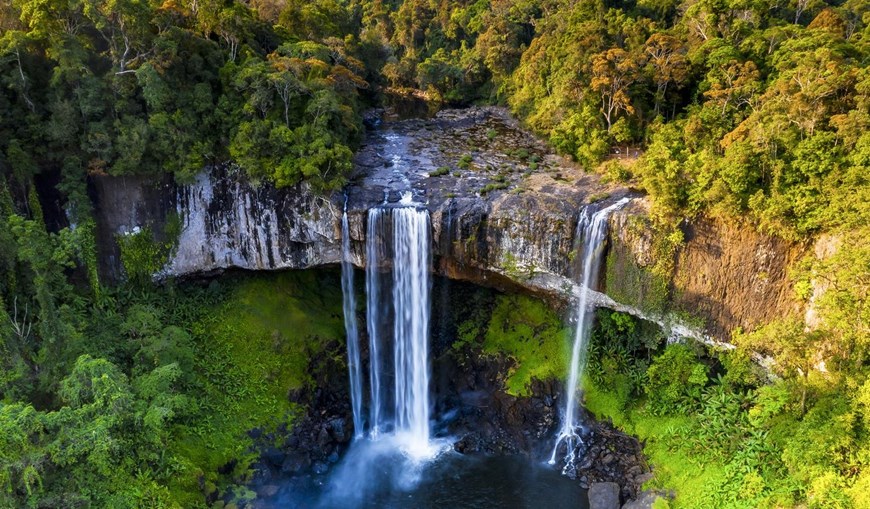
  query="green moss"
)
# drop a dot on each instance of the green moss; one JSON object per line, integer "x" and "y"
{"x": 250, "y": 350}
{"x": 598, "y": 197}
{"x": 631, "y": 284}
{"x": 443, "y": 170}
{"x": 513, "y": 268}
{"x": 532, "y": 335}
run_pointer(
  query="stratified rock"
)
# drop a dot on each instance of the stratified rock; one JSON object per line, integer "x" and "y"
{"x": 506, "y": 220}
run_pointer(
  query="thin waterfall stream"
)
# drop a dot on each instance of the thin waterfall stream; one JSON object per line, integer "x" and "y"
{"x": 375, "y": 255}
{"x": 354, "y": 366}
{"x": 592, "y": 232}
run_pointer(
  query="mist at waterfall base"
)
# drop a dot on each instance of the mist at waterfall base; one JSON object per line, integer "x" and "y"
{"x": 373, "y": 475}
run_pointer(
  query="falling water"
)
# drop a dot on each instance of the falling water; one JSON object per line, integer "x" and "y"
{"x": 374, "y": 256}
{"x": 350, "y": 326}
{"x": 593, "y": 230}
{"x": 411, "y": 326}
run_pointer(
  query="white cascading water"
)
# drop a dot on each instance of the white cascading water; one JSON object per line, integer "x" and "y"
{"x": 374, "y": 256}
{"x": 398, "y": 445}
{"x": 354, "y": 366}
{"x": 396, "y": 237}
{"x": 411, "y": 327}
{"x": 592, "y": 229}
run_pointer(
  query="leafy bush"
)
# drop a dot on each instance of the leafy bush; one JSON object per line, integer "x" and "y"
{"x": 465, "y": 162}
{"x": 674, "y": 381}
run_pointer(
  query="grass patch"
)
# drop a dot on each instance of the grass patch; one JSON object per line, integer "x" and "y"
{"x": 532, "y": 335}
{"x": 494, "y": 186}
{"x": 465, "y": 162}
{"x": 443, "y": 170}
{"x": 251, "y": 349}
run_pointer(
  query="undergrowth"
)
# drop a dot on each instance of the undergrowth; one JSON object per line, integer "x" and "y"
{"x": 250, "y": 349}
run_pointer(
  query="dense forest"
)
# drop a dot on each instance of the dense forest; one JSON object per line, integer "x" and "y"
{"x": 754, "y": 112}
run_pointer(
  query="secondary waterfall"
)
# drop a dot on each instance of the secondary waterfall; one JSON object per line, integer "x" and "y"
{"x": 350, "y": 326}
{"x": 592, "y": 230}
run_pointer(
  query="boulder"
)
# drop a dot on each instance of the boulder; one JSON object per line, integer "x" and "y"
{"x": 604, "y": 495}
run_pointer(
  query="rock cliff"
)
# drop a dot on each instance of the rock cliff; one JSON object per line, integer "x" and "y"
{"x": 504, "y": 212}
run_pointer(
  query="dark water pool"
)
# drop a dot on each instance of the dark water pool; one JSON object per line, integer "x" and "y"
{"x": 367, "y": 479}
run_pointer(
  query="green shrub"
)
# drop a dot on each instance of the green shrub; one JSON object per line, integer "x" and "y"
{"x": 674, "y": 381}
{"x": 465, "y": 162}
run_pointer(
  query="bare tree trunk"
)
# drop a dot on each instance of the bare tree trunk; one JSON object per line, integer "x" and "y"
{"x": 27, "y": 100}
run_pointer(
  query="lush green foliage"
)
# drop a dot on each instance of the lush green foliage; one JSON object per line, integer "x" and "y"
{"x": 720, "y": 433}
{"x": 524, "y": 330}
{"x": 756, "y": 109}
{"x": 739, "y": 110}
{"x": 139, "y": 396}
{"x": 93, "y": 87}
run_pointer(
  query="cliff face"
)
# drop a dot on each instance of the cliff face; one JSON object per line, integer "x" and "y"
{"x": 504, "y": 213}
{"x": 723, "y": 276}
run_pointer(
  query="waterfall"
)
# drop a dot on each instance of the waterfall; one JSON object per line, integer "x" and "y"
{"x": 411, "y": 325}
{"x": 398, "y": 238}
{"x": 375, "y": 254}
{"x": 350, "y": 326}
{"x": 592, "y": 229}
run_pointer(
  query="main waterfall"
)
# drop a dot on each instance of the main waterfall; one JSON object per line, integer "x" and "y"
{"x": 411, "y": 326}
{"x": 592, "y": 233}
{"x": 397, "y": 238}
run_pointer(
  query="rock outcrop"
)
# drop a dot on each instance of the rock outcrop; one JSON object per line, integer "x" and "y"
{"x": 504, "y": 212}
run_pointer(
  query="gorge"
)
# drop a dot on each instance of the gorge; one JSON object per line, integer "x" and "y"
{"x": 335, "y": 254}
{"x": 525, "y": 235}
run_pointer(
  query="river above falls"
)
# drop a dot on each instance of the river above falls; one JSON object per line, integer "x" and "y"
{"x": 451, "y": 480}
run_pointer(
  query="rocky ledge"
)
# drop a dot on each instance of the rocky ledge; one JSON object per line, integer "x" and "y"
{"x": 503, "y": 210}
